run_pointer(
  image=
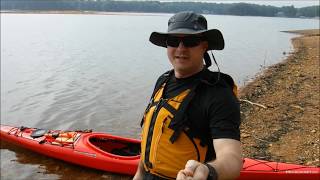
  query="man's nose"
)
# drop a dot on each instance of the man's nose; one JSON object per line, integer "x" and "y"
{"x": 181, "y": 45}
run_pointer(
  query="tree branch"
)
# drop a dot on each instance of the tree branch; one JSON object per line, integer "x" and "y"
{"x": 252, "y": 103}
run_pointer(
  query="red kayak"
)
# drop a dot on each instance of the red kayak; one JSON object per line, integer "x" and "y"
{"x": 121, "y": 155}
{"x": 91, "y": 149}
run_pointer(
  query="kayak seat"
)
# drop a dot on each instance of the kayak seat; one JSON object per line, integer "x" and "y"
{"x": 130, "y": 150}
{"x": 116, "y": 147}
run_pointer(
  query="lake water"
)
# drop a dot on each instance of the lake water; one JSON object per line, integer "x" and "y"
{"x": 72, "y": 71}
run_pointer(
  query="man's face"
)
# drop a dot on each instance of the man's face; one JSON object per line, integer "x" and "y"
{"x": 185, "y": 53}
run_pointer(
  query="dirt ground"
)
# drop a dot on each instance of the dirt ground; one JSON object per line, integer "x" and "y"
{"x": 284, "y": 124}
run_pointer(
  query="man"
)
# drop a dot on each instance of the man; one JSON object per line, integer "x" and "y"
{"x": 191, "y": 125}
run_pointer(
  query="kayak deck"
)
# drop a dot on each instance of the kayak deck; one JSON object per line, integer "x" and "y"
{"x": 254, "y": 168}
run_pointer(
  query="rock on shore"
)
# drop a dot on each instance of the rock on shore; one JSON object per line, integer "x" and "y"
{"x": 282, "y": 122}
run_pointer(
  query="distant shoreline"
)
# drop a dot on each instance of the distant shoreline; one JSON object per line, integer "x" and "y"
{"x": 83, "y": 12}
{"x": 118, "y": 13}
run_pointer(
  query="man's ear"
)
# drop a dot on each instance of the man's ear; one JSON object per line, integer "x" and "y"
{"x": 205, "y": 45}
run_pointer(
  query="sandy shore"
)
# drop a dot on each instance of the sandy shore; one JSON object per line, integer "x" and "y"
{"x": 286, "y": 127}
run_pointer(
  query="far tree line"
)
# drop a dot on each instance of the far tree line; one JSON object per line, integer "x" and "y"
{"x": 240, "y": 9}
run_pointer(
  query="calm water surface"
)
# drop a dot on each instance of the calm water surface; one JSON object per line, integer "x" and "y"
{"x": 63, "y": 71}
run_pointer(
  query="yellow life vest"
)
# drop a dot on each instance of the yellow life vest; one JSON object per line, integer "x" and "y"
{"x": 159, "y": 154}
{"x": 166, "y": 149}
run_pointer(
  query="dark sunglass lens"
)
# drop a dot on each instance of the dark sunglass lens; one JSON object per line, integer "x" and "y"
{"x": 191, "y": 41}
{"x": 173, "y": 41}
{"x": 188, "y": 41}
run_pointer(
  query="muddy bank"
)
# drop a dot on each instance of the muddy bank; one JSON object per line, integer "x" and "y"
{"x": 284, "y": 124}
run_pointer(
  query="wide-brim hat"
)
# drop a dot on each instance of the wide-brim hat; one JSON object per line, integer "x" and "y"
{"x": 189, "y": 23}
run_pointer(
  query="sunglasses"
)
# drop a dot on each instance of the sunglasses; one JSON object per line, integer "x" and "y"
{"x": 188, "y": 41}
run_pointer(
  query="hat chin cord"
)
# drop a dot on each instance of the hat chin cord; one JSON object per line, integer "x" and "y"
{"x": 208, "y": 62}
{"x": 207, "y": 59}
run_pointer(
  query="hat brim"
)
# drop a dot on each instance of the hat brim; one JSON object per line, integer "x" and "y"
{"x": 213, "y": 36}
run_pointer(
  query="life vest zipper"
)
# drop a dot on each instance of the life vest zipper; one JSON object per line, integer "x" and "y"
{"x": 194, "y": 144}
{"x": 158, "y": 140}
{"x": 150, "y": 133}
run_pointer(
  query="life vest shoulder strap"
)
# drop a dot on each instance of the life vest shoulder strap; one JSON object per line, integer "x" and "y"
{"x": 160, "y": 82}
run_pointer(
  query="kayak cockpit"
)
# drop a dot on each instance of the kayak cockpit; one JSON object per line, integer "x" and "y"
{"x": 115, "y": 146}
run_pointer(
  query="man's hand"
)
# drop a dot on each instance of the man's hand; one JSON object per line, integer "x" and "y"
{"x": 228, "y": 162}
{"x": 138, "y": 177}
{"x": 193, "y": 170}
{"x": 140, "y": 172}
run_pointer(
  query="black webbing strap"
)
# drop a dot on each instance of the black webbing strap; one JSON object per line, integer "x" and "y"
{"x": 178, "y": 130}
{"x": 179, "y": 120}
{"x": 169, "y": 108}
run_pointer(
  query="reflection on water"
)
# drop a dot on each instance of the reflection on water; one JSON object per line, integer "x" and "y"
{"x": 24, "y": 164}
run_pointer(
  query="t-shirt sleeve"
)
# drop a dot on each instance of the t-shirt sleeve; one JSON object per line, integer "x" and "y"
{"x": 224, "y": 115}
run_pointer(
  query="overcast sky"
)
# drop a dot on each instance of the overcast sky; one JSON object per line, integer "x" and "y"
{"x": 278, "y": 3}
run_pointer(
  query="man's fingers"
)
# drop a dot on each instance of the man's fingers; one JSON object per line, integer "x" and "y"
{"x": 201, "y": 172}
{"x": 181, "y": 175}
{"x": 193, "y": 170}
{"x": 190, "y": 167}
